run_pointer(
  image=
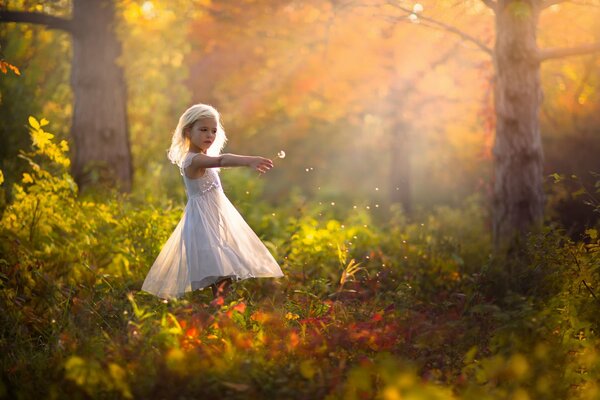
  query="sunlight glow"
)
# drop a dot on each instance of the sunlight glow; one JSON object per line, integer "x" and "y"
{"x": 148, "y": 10}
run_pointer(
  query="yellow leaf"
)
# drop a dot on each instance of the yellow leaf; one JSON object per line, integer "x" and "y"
{"x": 44, "y": 122}
{"x": 27, "y": 178}
{"x": 34, "y": 123}
{"x": 41, "y": 138}
{"x": 1, "y": 177}
{"x": 307, "y": 369}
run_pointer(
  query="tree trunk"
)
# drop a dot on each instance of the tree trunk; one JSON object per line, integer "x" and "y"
{"x": 518, "y": 158}
{"x": 99, "y": 129}
{"x": 400, "y": 164}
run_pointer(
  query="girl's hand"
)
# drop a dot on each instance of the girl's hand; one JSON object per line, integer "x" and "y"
{"x": 260, "y": 164}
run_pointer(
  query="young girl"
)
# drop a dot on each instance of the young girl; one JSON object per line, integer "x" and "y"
{"x": 212, "y": 244}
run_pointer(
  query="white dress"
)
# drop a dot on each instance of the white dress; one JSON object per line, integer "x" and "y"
{"x": 211, "y": 242}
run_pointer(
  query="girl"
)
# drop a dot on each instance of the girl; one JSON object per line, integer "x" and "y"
{"x": 212, "y": 244}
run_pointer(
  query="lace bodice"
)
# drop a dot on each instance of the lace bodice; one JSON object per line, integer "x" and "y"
{"x": 199, "y": 186}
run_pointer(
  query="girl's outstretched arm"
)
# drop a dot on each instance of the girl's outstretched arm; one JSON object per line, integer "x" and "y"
{"x": 260, "y": 164}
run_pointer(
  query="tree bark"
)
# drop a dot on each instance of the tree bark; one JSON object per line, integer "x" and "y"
{"x": 518, "y": 157}
{"x": 99, "y": 129}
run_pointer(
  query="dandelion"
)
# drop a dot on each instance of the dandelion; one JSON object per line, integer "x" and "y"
{"x": 281, "y": 154}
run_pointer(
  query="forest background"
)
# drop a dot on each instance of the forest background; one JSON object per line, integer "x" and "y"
{"x": 387, "y": 122}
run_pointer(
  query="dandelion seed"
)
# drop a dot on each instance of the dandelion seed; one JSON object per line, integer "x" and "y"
{"x": 165, "y": 301}
{"x": 333, "y": 203}
{"x": 417, "y": 8}
{"x": 405, "y": 257}
{"x": 311, "y": 168}
{"x": 404, "y": 241}
{"x": 353, "y": 206}
{"x": 306, "y": 169}
{"x": 343, "y": 226}
{"x": 365, "y": 226}
{"x": 53, "y": 321}
{"x": 247, "y": 192}
{"x": 376, "y": 189}
{"x": 367, "y": 257}
{"x": 376, "y": 205}
{"x": 368, "y": 207}
{"x": 413, "y": 18}
{"x": 355, "y": 237}
{"x": 125, "y": 312}
{"x": 281, "y": 154}
{"x": 273, "y": 214}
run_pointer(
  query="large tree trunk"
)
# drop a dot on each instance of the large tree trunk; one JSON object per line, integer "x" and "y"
{"x": 99, "y": 127}
{"x": 518, "y": 157}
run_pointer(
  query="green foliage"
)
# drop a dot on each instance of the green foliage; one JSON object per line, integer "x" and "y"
{"x": 396, "y": 309}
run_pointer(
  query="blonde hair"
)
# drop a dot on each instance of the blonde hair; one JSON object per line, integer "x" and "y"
{"x": 180, "y": 144}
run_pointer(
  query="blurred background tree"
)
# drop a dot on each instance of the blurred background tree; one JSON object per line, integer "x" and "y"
{"x": 370, "y": 108}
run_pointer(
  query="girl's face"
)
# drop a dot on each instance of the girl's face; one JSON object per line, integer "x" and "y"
{"x": 202, "y": 134}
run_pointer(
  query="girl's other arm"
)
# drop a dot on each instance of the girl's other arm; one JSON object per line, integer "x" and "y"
{"x": 260, "y": 164}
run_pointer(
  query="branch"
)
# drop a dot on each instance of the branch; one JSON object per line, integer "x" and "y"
{"x": 37, "y": 18}
{"x": 548, "y": 54}
{"x": 491, "y": 4}
{"x": 449, "y": 28}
